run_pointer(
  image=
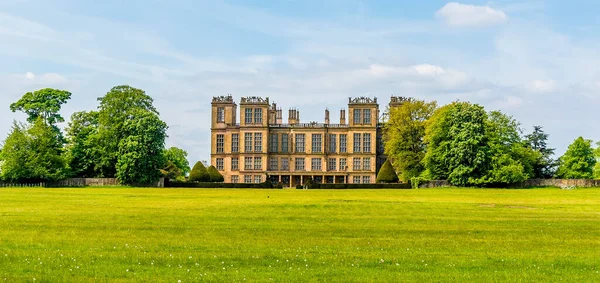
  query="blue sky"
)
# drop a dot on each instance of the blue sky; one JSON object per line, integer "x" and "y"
{"x": 534, "y": 60}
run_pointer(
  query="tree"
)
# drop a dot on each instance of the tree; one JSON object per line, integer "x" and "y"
{"x": 596, "y": 167}
{"x": 404, "y": 133}
{"x": 44, "y": 103}
{"x": 544, "y": 167}
{"x": 31, "y": 153}
{"x": 179, "y": 158}
{"x": 171, "y": 171}
{"x": 83, "y": 153}
{"x": 140, "y": 155}
{"x": 458, "y": 144}
{"x": 578, "y": 161}
{"x": 115, "y": 109}
{"x": 510, "y": 160}
{"x": 214, "y": 174}
{"x": 199, "y": 173}
{"x": 387, "y": 174}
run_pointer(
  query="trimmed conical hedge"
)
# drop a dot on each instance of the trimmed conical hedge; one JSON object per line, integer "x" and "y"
{"x": 387, "y": 174}
{"x": 199, "y": 173}
{"x": 214, "y": 174}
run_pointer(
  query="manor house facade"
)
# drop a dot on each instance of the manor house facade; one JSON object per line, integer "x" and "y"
{"x": 261, "y": 146}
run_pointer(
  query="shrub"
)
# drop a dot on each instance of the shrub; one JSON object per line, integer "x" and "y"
{"x": 211, "y": 185}
{"x": 199, "y": 173}
{"x": 214, "y": 174}
{"x": 387, "y": 174}
{"x": 299, "y": 187}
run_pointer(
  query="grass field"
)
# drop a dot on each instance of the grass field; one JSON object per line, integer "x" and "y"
{"x": 188, "y": 235}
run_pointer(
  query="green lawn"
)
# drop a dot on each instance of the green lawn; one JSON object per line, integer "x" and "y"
{"x": 150, "y": 235}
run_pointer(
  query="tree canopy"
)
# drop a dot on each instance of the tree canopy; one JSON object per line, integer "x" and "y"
{"x": 179, "y": 158}
{"x": 578, "y": 161}
{"x": 44, "y": 103}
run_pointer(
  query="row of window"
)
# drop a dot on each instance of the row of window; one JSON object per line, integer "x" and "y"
{"x": 365, "y": 179}
{"x": 253, "y": 143}
{"x": 362, "y": 116}
{"x": 247, "y": 178}
{"x": 282, "y": 164}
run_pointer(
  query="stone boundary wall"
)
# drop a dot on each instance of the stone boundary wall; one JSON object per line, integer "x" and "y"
{"x": 79, "y": 182}
{"x": 559, "y": 183}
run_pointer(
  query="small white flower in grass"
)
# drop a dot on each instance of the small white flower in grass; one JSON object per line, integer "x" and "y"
{"x": 127, "y": 270}
{"x": 178, "y": 281}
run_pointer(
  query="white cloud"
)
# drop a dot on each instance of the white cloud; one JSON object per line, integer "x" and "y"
{"x": 429, "y": 70}
{"x": 30, "y": 75}
{"x": 542, "y": 86}
{"x": 462, "y": 15}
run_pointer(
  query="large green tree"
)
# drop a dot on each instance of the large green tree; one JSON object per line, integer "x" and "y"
{"x": 116, "y": 108}
{"x": 179, "y": 157}
{"x": 578, "y": 161}
{"x": 457, "y": 144}
{"x": 140, "y": 155}
{"x": 404, "y": 134}
{"x": 32, "y": 153}
{"x": 44, "y": 103}
{"x": 545, "y": 166}
{"x": 83, "y": 153}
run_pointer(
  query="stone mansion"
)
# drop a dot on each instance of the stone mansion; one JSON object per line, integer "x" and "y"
{"x": 260, "y": 145}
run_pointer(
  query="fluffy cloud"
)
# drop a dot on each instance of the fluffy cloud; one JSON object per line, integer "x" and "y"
{"x": 542, "y": 86}
{"x": 462, "y": 15}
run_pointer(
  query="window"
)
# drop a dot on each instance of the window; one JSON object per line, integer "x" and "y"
{"x": 220, "y": 164}
{"x": 367, "y": 163}
{"x": 285, "y": 143}
{"x": 299, "y": 142}
{"x": 235, "y": 142}
{"x": 257, "y": 115}
{"x": 343, "y": 164}
{"x": 235, "y": 179}
{"x": 366, "y": 179}
{"x": 317, "y": 145}
{"x": 273, "y": 143}
{"x": 316, "y": 164}
{"x": 248, "y": 142}
{"x": 235, "y": 163}
{"x": 343, "y": 139}
{"x": 356, "y": 163}
{"x": 356, "y": 179}
{"x": 220, "y": 143}
{"x": 247, "y": 163}
{"x": 257, "y": 163}
{"x": 285, "y": 164}
{"x": 248, "y": 116}
{"x": 357, "y": 118}
{"x": 273, "y": 164}
{"x": 331, "y": 164}
{"x": 356, "y": 142}
{"x": 366, "y": 142}
{"x": 257, "y": 179}
{"x": 257, "y": 142}
{"x": 367, "y": 117}
{"x": 299, "y": 163}
{"x": 247, "y": 179}
{"x": 332, "y": 143}
{"x": 220, "y": 115}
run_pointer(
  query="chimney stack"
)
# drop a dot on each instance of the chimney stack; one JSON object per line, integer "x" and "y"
{"x": 343, "y": 116}
{"x": 279, "y": 117}
{"x": 293, "y": 116}
{"x": 326, "y": 116}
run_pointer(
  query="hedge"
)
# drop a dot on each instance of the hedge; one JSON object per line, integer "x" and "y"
{"x": 359, "y": 186}
{"x": 264, "y": 185}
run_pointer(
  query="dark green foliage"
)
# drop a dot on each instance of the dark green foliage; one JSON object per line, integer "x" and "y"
{"x": 458, "y": 149}
{"x": 215, "y": 176}
{"x": 199, "y": 173}
{"x": 32, "y": 153}
{"x": 578, "y": 161}
{"x": 115, "y": 109}
{"x": 387, "y": 174}
{"x": 544, "y": 166}
{"x": 170, "y": 171}
{"x": 359, "y": 186}
{"x": 179, "y": 157}
{"x": 141, "y": 150}
{"x": 299, "y": 187}
{"x": 175, "y": 184}
{"x": 83, "y": 153}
